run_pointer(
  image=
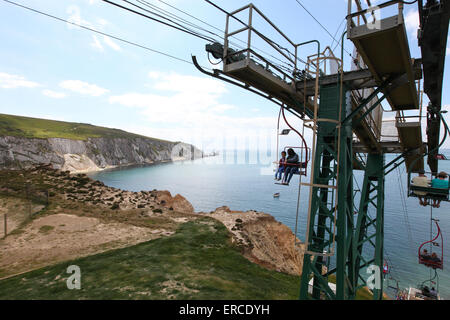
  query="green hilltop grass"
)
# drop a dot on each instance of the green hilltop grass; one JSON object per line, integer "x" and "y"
{"x": 197, "y": 262}
{"x": 26, "y": 127}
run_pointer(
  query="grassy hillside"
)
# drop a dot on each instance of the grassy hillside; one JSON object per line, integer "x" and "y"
{"x": 198, "y": 262}
{"x": 18, "y": 126}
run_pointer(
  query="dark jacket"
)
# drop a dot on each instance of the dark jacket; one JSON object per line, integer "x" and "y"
{"x": 292, "y": 159}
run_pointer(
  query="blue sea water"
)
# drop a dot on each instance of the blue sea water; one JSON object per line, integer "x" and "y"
{"x": 231, "y": 179}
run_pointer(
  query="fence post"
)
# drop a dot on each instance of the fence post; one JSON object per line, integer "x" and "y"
{"x": 28, "y": 199}
{"x": 5, "y": 225}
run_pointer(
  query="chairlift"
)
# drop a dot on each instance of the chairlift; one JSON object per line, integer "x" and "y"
{"x": 304, "y": 152}
{"x": 428, "y": 193}
{"x": 431, "y": 259}
{"x": 302, "y": 165}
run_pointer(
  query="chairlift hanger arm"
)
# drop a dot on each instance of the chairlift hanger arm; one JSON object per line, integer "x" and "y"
{"x": 303, "y": 139}
{"x": 396, "y": 164}
{"x": 446, "y": 132}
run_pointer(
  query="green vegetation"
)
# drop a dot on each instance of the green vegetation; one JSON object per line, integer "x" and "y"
{"x": 18, "y": 126}
{"x": 197, "y": 262}
{"x": 45, "y": 229}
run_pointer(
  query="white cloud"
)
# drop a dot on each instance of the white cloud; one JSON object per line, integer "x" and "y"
{"x": 412, "y": 21}
{"x": 189, "y": 84}
{"x": 110, "y": 43}
{"x": 188, "y": 107}
{"x": 74, "y": 13}
{"x": 448, "y": 51}
{"x": 96, "y": 44}
{"x": 53, "y": 94}
{"x": 154, "y": 75}
{"x": 102, "y": 22}
{"x": 83, "y": 88}
{"x": 12, "y": 81}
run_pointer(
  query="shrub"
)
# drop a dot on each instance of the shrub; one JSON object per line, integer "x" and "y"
{"x": 115, "y": 206}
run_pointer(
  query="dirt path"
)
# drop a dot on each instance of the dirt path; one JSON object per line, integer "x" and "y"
{"x": 62, "y": 237}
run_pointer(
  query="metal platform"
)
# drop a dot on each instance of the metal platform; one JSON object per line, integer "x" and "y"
{"x": 384, "y": 48}
{"x": 410, "y": 134}
{"x": 264, "y": 80}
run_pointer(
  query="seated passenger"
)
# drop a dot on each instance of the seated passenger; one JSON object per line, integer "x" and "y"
{"x": 433, "y": 292}
{"x": 292, "y": 163}
{"x": 440, "y": 182}
{"x": 385, "y": 270}
{"x": 434, "y": 258}
{"x": 421, "y": 181}
{"x": 425, "y": 255}
{"x": 426, "y": 291}
{"x": 281, "y": 166}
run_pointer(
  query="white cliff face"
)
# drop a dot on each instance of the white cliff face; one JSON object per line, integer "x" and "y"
{"x": 92, "y": 154}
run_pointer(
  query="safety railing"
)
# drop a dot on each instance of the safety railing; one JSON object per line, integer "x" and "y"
{"x": 369, "y": 14}
{"x": 402, "y": 119}
{"x": 289, "y": 55}
{"x": 373, "y": 125}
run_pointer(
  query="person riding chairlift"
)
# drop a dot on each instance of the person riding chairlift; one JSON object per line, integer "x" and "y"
{"x": 430, "y": 260}
{"x": 281, "y": 166}
{"x": 292, "y": 163}
{"x": 434, "y": 258}
{"x": 425, "y": 255}
{"x": 433, "y": 292}
{"x": 385, "y": 270}
{"x": 421, "y": 181}
{"x": 441, "y": 183}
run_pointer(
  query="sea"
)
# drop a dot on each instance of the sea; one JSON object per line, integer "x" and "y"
{"x": 244, "y": 180}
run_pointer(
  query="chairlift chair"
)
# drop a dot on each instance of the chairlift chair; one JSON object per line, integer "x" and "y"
{"x": 438, "y": 242}
{"x": 430, "y": 193}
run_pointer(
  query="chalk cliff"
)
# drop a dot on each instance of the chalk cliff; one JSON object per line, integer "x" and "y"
{"x": 80, "y": 147}
{"x": 91, "y": 154}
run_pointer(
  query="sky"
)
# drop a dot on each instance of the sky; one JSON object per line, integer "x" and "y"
{"x": 54, "y": 70}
